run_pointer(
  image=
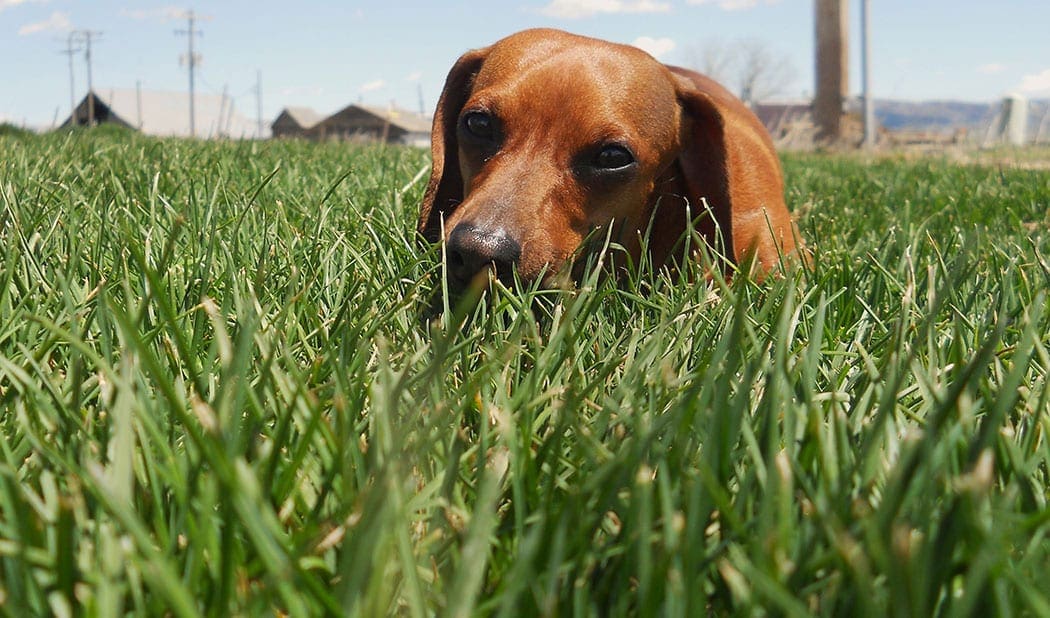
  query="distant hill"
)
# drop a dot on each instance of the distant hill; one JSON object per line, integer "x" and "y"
{"x": 947, "y": 116}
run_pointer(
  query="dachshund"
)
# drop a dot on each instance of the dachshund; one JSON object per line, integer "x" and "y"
{"x": 545, "y": 137}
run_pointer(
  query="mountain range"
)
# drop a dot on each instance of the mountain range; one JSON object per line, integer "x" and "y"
{"x": 946, "y": 116}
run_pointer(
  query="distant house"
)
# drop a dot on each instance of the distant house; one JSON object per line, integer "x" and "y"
{"x": 165, "y": 114}
{"x": 295, "y": 122}
{"x": 781, "y": 119}
{"x": 355, "y": 123}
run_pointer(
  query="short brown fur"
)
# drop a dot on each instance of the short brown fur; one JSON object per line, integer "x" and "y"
{"x": 556, "y": 98}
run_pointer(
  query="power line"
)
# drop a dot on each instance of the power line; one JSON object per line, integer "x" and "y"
{"x": 69, "y": 51}
{"x": 191, "y": 60}
{"x": 87, "y": 36}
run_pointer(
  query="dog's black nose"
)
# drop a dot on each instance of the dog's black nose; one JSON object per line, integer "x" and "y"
{"x": 471, "y": 249}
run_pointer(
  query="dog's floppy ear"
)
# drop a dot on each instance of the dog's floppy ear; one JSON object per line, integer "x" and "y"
{"x": 704, "y": 161}
{"x": 445, "y": 188}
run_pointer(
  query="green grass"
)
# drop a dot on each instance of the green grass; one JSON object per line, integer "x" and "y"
{"x": 217, "y": 397}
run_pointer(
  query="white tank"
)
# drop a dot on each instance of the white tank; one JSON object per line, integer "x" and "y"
{"x": 1013, "y": 127}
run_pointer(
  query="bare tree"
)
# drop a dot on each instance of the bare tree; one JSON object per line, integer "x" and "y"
{"x": 714, "y": 59}
{"x": 762, "y": 74}
{"x": 747, "y": 66}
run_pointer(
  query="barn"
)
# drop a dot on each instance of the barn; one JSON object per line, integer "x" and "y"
{"x": 355, "y": 122}
{"x": 296, "y": 122}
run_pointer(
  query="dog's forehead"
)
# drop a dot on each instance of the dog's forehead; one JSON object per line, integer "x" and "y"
{"x": 557, "y": 60}
{"x": 595, "y": 86}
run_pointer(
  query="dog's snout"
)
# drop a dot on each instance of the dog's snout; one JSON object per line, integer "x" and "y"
{"x": 471, "y": 249}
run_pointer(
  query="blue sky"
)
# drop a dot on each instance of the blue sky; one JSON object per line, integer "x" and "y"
{"x": 328, "y": 54}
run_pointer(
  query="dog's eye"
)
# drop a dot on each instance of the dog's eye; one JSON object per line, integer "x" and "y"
{"x": 614, "y": 157}
{"x": 479, "y": 124}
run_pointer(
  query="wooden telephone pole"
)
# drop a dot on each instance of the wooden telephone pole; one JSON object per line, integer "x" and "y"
{"x": 192, "y": 60}
{"x": 832, "y": 69}
{"x": 70, "y": 51}
{"x": 88, "y": 36}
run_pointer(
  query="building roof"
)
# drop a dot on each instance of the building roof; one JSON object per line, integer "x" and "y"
{"x": 166, "y": 113}
{"x": 355, "y": 118}
{"x": 411, "y": 122}
{"x": 776, "y": 115}
{"x": 305, "y": 117}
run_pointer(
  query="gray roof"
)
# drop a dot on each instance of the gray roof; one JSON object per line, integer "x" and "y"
{"x": 409, "y": 121}
{"x": 166, "y": 113}
{"x": 776, "y": 115}
{"x": 305, "y": 117}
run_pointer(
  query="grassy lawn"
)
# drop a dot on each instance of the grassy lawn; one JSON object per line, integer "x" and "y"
{"x": 217, "y": 397}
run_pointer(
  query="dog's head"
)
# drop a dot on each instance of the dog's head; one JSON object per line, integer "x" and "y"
{"x": 545, "y": 137}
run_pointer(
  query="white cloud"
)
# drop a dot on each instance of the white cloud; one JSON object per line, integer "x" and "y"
{"x": 414, "y": 76}
{"x": 373, "y": 85}
{"x": 574, "y": 9}
{"x": 163, "y": 13}
{"x": 991, "y": 68}
{"x": 1036, "y": 83}
{"x": 656, "y": 47}
{"x": 58, "y": 22}
{"x": 733, "y": 5}
{"x": 8, "y": 4}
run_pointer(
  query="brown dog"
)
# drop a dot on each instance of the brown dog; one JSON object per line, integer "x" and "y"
{"x": 546, "y": 136}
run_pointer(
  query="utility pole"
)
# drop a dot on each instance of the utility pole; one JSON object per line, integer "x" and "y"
{"x": 869, "y": 97}
{"x": 258, "y": 104}
{"x": 422, "y": 107}
{"x": 222, "y": 111}
{"x": 69, "y": 51}
{"x": 88, "y": 35}
{"x": 831, "y": 69}
{"x": 138, "y": 103}
{"x": 191, "y": 60}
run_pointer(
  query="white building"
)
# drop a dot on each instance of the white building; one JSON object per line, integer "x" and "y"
{"x": 166, "y": 114}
